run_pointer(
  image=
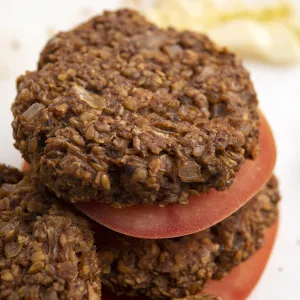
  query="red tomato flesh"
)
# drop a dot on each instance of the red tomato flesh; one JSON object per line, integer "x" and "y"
{"x": 201, "y": 212}
{"x": 25, "y": 167}
{"x": 240, "y": 282}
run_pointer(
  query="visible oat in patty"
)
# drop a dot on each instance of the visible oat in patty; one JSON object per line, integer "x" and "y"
{"x": 46, "y": 251}
{"x": 179, "y": 267}
{"x": 122, "y": 111}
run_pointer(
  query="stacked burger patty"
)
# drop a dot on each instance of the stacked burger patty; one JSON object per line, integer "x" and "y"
{"x": 153, "y": 133}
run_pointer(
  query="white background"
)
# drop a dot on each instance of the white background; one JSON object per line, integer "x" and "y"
{"x": 24, "y": 28}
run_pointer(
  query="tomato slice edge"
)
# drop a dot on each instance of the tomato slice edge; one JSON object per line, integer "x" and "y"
{"x": 25, "y": 167}
{"x": 201, "y": 212}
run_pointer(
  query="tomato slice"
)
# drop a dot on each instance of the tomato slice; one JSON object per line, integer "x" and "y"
{"x": 240, "y": 281}
{"x": 201, "y": 212}
{"x": 25, "y": 167}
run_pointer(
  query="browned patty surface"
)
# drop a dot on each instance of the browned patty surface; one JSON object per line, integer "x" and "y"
{"x": 122, "y": 111}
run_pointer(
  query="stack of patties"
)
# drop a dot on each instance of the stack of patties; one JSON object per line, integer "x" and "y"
{"x": 155, "y": 134}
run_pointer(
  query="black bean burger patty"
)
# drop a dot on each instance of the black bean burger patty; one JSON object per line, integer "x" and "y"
{"x": 46, "y": 251}
{"x": 124, "y": 112}
{"x": 179, "y": 267}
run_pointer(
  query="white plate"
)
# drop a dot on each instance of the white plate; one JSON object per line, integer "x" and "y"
{"x": 279, "y": 93}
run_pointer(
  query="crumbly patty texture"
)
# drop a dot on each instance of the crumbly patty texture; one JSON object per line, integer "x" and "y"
{"x": 46, "y": 251}
{"x": 180, "y": 267}
{"x": 122, "y": 111}
{"x": 9, "y": 175}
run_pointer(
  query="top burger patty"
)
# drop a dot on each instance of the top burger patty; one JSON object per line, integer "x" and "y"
{"x": 47, "y": 250}
{"x": 124, "y": 112}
